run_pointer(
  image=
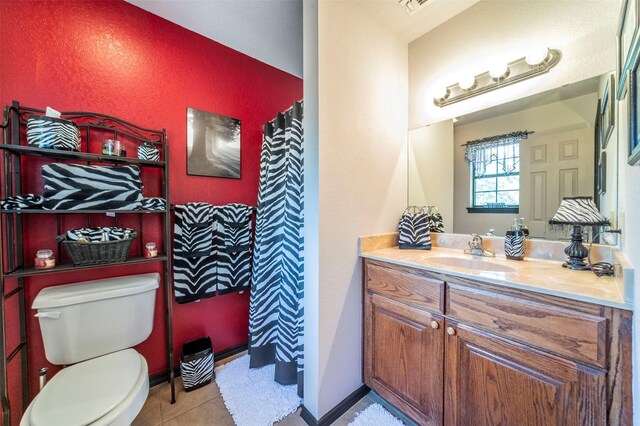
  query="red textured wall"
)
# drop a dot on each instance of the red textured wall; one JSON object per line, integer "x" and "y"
{"x": 113, "y": 58}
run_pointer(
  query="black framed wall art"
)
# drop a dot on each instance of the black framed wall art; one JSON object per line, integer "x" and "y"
{"x": 213, "y": 144}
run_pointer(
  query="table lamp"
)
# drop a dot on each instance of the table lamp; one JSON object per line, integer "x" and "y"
{"x": 578, "y": 212}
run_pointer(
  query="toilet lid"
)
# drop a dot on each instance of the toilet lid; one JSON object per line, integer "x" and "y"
{"x": 84, "y": 392}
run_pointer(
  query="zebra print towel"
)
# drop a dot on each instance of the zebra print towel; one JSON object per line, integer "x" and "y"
{"x": 28, "y": 201}
{"x": 193, "y": 255}
{"x": 413, "y": 229}
{"x": 78, "y": 187}
{"x": 212, "y": 250}
{"x": 153, "y": 203}
{"x": 234, "y": 257}
{"x": 94, "y": 235}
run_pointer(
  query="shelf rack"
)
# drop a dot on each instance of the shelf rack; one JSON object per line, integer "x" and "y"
{"x": 12, "y": 257}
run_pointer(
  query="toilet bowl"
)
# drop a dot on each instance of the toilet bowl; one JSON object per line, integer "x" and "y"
{"x": 93, "y": 325}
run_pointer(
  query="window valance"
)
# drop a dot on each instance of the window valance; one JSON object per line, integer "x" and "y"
{"x": 503, "y": 149}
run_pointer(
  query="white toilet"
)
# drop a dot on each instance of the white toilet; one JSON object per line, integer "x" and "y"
{"x": 91, "y": 327}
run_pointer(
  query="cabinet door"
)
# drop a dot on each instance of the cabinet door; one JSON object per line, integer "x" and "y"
{"x": 403, "y": 357}
{"x": 493, "y": 381}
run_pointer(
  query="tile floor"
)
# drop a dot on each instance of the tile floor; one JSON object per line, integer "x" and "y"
{"x": 204, "y": 406}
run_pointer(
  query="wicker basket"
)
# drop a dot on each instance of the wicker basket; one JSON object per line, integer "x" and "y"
{"x": 97, "y": 253}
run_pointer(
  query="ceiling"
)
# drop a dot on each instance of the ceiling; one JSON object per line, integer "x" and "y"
{"x": 271, "y": 30}
{"x": 409, "y": 28}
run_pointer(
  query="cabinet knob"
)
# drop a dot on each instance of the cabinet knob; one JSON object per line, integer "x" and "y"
{"x": 435, "y": 325}
{"x": 451, "y": 331}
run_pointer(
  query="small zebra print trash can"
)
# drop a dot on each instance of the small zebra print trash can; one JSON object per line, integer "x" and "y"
{"x": 196, "y": 363}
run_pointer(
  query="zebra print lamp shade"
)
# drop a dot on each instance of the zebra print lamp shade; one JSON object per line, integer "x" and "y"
{"x": 578, "y": 212}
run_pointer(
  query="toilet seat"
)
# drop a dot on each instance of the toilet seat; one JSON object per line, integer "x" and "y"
{"x": 106, "y": 390}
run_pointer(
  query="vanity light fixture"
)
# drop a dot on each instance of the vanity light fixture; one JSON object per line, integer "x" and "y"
{"x": 536, "y": 62}
{"x": 467, "y": 82}
{"x": 499, "y": 71}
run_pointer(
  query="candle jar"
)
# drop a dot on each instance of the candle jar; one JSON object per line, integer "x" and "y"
{"x": 44, "y": 259}
{"x": 111, "y": 147}
{"x": 150, "y": 250}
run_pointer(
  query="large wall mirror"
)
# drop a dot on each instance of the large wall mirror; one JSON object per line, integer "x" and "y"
{"x": 571, "y": 152}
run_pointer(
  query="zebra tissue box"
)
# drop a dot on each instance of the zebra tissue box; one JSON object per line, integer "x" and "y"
{"x": 147, "y": 151}
{"x": 196, "y": 363}
{"x": 52, "y": 133}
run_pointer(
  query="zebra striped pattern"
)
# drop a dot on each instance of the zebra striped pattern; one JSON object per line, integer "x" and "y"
{"x": 79, "y": 187}
{"x": 413, "y": 229}
{"x": 194, "y": 274}
{"x": 96, "y": 234}
{"x": 53, "y": 133}
{"x": 147, "y": 151}
{"x": 436, "y": 224}
{"x": 27, "y": 201}
{"x": 193, "y": 230}
{"x": 153, "y": 203}
{"x": 197, "y": 373}
{"x": 234, "y": 256}
{"x": 276, "y": 310}
{"x": 514, "y": 246}
{"x": 578, "y": 211}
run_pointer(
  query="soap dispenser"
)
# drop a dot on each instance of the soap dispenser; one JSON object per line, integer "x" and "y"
{"x": 515, "y": 242}
{"x": 523, "y": 227}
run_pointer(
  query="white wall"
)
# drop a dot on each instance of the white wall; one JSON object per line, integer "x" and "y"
{"x": 311, "y": 223}
{"x": 629, "y": 221}
{"x": 430, "y": 153}
{"x": 362, "y": 81}
{"x": 503, "y": 30}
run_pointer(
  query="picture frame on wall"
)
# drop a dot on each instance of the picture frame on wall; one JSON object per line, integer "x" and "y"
{"x": 633, "y": 145}
{"x": 602, "y": 173}
{"x": 213, "y": 144}
{"x": 607, "y": 113}
{"x": 626, "y": 41}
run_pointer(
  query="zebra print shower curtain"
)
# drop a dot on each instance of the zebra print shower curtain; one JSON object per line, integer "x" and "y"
{"x": 276, "y": 311}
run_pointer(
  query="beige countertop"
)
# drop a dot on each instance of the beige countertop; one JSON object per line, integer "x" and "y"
{"x": 537, "y": 275}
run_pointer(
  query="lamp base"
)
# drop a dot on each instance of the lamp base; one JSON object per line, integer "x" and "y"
{"x": 576, "y": 251}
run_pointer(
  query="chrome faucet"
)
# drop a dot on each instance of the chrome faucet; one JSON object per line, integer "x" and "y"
{"x": 476, "y": 248}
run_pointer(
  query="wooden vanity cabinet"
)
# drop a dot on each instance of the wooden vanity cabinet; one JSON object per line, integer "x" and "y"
{"x": 404, "y": 357}
{"x": 493, "y": 381}
{"x": 446, "y": 350}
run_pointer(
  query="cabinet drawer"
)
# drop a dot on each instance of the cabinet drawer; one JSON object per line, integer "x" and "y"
{"x": 402, "y": 285}
{"x": 573, "y": 334}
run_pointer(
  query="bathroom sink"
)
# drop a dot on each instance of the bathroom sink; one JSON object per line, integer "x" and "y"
{"x": 474, "y": 264}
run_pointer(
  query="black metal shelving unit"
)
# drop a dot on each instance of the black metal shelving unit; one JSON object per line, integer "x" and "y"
{"x": 15, "y": 151}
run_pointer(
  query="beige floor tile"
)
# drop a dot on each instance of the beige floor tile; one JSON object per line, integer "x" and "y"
{"x": 150, "y": 415}
{"x": 292, "y": 419}
{"x": 212, "y": 412}
{"x": 184, "y": 400}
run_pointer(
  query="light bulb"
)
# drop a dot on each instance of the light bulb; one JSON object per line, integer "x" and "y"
{"x": 441, "y": 93}
{"x": 537, "y": 55}
{"x": 467, "y": 82}
{"x": 499, "y": 70}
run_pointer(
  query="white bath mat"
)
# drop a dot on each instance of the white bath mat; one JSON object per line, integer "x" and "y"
{"x": 375, "y": 415}
{"x": 252, "y": 396}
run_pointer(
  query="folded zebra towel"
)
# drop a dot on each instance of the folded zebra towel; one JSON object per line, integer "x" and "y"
{"x": 153, "y": 203}
{"x": 234, "y": 256}
{"x": 194, "y": 273}
{"x": 93, "y": 235}
{"x": 27, "y": 201}
{"x": 79, "y": 187}
{"x": 194, "y": 230}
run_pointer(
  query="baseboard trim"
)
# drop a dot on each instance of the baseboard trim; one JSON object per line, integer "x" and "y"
{"x": 162, "y": 377}
{"x": 337, "y": 411}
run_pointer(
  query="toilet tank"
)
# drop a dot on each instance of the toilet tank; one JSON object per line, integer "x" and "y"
{"x": 87, "y": 319}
